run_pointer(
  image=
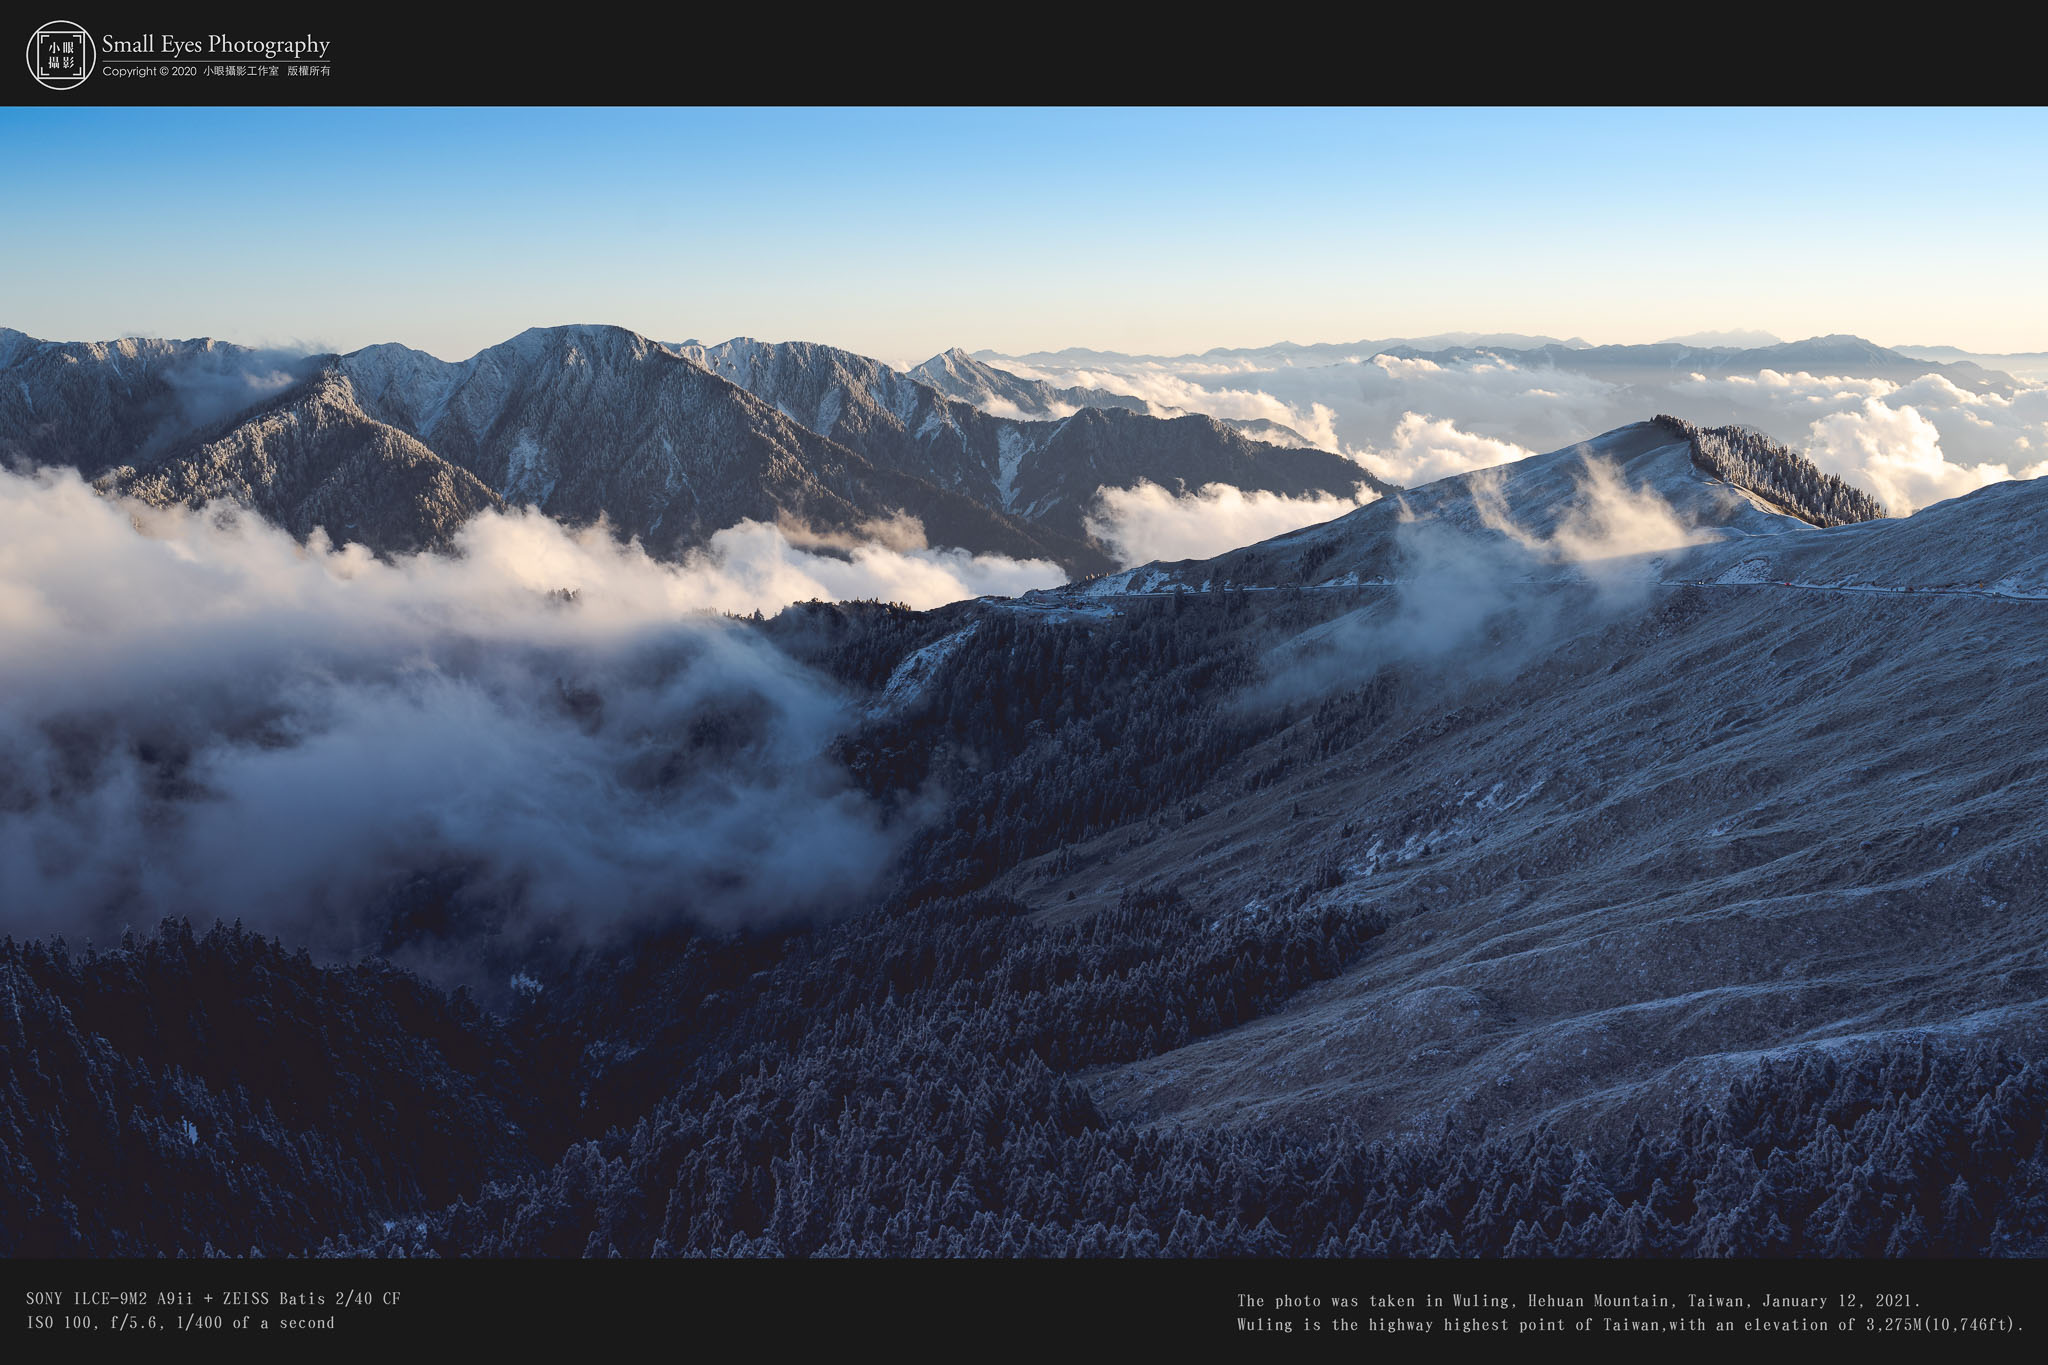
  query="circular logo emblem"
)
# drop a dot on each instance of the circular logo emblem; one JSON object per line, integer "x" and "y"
{"x": 60, "y": 55}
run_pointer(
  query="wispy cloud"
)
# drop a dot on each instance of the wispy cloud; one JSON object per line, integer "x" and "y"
{"x": 1501, "y": 586}
{"x": 1146, "y": 522}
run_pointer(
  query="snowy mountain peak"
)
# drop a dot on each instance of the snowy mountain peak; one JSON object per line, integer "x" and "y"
{"x": 1631, "y": 492}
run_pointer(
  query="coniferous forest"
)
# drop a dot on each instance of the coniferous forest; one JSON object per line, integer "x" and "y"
{"x": 1751, "y": 460}
{"x": 912, "y": 1076}
{"x": 908, "y": 1084}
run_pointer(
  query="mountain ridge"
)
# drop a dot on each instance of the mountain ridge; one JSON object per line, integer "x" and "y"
{"x": 1045, "y": 471}
{"x": 1837, "y": 353}
{"x": 590, "y": 421}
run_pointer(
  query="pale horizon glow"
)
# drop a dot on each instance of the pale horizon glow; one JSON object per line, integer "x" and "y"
{"x": 900, "y": 233}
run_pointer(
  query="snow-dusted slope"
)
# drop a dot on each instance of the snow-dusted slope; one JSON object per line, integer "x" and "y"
{"x": 1739, "y": 822}
{"x": 93, "y": 405}
{"x": 1628, "y": 845}
{"x": 888, "y": 417}
{"x": 960, "y": 376}
{"x": 1047, "y": 472}
{"x": 1536, "y": 499}
{"x": 1994, "y": 539}
{"x": 582, "y": 422}
{"x": 315, "y": 459}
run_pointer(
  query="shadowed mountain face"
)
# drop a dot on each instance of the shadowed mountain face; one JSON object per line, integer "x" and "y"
{"x": 1045, "y": 472}
{"x": 863, "y": 404}
{"x": 395, "y": 448}
{"x": 589, "y": 421}
{"x": 314, "y": 459}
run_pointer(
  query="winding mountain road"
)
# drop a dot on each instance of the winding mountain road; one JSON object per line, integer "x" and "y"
{"x": 1079, "y": 600}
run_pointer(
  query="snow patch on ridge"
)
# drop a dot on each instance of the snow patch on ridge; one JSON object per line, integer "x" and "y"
{"x": 911, "y": 677}
{"x": 1110, "y": 584}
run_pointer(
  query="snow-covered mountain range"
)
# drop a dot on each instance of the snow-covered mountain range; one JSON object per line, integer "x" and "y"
{"x": 397, "y": 448}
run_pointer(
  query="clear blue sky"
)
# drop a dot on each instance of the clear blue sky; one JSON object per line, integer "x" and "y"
{"x": 901, "y": 232}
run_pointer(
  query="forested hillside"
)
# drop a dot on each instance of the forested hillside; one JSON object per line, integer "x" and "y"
{"x": 919, "y": 1078}
{"x": 912, "y": 1083}
{"x": 1753, "y": 461}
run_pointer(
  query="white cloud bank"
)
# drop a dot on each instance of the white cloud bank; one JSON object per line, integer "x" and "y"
{"x": 1910, "y": 444}
{"x": 755, "y": 566}
{"x": 1146, "y": 522}
{"x": 1424, "y": 449}
{"x": 201, "y": 716}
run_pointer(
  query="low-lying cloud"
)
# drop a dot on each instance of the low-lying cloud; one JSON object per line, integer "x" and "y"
{"x": 995, "y": 405}
{"x": 1609, "y": 530}
{"x": 1376, "y": 410}
{"x": 1480, "y": 601}
{"x": 1895, "y": 453}
{"x": 1424, "y": 449}
{"x": 212, "y": 384}
{"x": 1146, "y": 522}
{"x": 545, "y": 730}
{"x": 755, "y": 566}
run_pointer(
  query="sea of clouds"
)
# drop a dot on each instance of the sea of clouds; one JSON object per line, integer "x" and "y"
{"x": 1411, "y": 420}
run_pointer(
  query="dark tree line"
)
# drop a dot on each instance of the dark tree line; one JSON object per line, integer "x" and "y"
{"x": 1749, "y": 459}
{"x": 179, "y": 1091}
{"x": 1045, "y": 737}
{"x": 857, "y": 643}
